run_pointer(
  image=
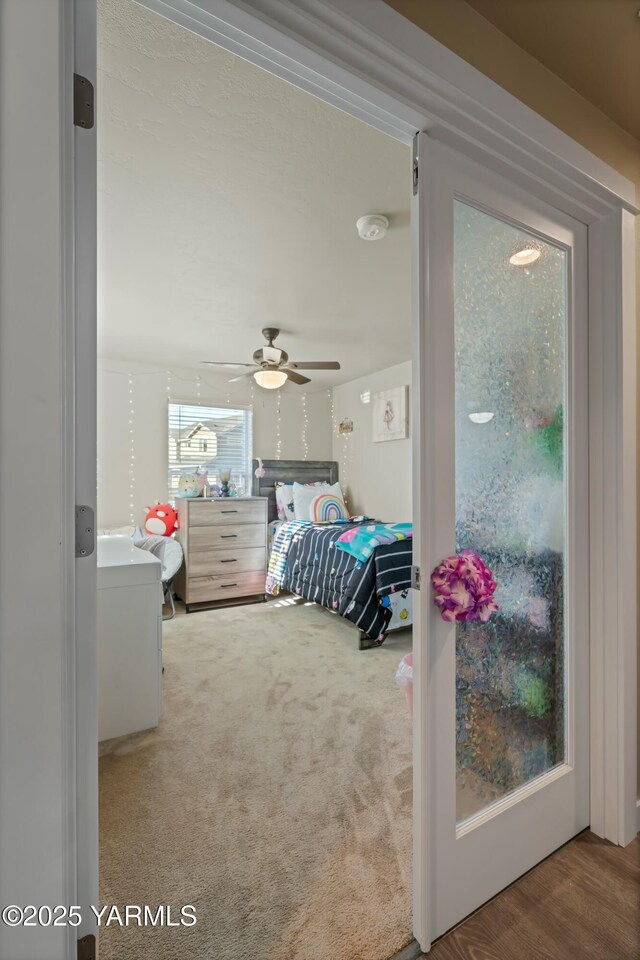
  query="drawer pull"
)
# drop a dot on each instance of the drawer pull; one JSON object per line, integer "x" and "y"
{"x": 228, "y": 511}
{"x": 228, "y": 536}
{"x": 228, "y": 561}
{"x": 228, "y": 584}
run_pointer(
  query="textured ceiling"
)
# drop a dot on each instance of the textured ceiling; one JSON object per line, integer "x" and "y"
{"x": 227, "y": 201}
{"x": 593, "y": 45}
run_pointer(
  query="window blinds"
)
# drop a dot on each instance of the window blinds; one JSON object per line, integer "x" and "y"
{"x": 215, "y": 438}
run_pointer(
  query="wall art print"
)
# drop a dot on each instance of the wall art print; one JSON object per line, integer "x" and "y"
{"x": 390, "y": 414}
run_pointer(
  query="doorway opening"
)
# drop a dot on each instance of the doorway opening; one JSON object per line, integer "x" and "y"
{"x": 255, "y": 748}
{"x": 606, "y": 215}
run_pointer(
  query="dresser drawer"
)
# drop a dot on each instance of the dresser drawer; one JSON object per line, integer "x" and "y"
{"x": 227, "y": 536}
{"x": 225, "y": 511}
{"x": 222, "y": 587}
{"x": 228, "y": 563}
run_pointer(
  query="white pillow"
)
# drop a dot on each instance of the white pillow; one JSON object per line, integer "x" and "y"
{"x": 304, "y": 493}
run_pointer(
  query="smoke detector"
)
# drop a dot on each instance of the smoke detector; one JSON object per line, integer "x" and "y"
{"x": 372, "y": 227}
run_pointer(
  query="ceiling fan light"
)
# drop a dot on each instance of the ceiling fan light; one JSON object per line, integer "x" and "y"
{"x": 270, "y": 379}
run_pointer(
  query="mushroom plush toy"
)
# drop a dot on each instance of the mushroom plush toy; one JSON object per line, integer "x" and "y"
{"x": 161, "y": 520}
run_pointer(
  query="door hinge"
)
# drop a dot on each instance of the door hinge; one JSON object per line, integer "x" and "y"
{"x": 85, "y": 531}
{"x": 416, "y": 165}
{"x": 83, "y": 115}
{"x": 415, "y": 577}
{"x": 87, "y": 947}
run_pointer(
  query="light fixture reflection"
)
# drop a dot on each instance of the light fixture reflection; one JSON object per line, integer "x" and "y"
{"x": 270, "y": 379}
{"x": 522, "y": 257}
{"x": 481, "y": 417}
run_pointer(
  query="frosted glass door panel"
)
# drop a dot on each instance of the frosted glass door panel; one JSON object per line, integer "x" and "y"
{"x": 510, "y": 330}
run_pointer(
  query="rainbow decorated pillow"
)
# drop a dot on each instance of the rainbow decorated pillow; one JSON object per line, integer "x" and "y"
{"x": 327, "y": 508}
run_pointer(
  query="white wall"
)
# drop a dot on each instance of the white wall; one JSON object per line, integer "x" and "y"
{"x": 375, "y": 476}
{"x": 150, "y": 436}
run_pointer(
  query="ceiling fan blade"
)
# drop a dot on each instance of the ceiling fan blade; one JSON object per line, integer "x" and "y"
{"x": 314, "y": 365}
{"x": 224, "y": 363}
{"x": 242, "y": 376}
{"x": 295, "y": 377}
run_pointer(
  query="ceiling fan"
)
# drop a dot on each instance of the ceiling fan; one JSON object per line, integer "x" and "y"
{"x": 271, "y": 367}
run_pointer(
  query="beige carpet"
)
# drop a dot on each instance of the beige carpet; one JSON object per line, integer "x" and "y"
{"x": 275, "y": 796}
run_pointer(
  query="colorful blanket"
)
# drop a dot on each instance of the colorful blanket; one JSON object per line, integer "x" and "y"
{"x": 361, "y": 541}
{"x": 315, "y": 570}
{"x": 305, "y": 562}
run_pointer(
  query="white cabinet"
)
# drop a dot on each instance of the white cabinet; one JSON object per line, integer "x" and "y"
{"x": 129, "y": 638}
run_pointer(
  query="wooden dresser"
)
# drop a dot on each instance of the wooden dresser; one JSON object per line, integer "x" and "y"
{"x": 225, "y": 551}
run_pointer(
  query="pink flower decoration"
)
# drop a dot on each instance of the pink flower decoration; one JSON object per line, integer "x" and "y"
{"x": 464, "y": 588}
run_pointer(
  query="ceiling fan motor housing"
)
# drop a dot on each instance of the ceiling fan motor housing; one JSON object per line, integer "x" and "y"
{"x": 270, "y": 355}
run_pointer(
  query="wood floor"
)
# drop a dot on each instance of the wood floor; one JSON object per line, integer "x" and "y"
{"x": 582, "y": 902}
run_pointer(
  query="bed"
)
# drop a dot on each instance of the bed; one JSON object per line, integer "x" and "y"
{"x": 374, "y": 595}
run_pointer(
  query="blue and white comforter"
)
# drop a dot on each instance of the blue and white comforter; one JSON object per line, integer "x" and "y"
{"x": 304, "y": 560}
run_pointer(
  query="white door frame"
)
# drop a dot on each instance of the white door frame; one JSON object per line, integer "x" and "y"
{"x": 83, "y": 442}
{"x": 365, "y": 58}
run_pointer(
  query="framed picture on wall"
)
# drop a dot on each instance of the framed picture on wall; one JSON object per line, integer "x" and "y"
{"x": 391, "y": 414}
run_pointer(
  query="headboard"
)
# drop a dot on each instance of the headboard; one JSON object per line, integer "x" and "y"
{"x": 290, "y": 471}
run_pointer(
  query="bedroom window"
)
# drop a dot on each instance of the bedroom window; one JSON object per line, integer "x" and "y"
{"x": 215, "y": 438}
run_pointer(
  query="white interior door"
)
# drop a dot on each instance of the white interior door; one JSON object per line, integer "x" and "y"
{"x": 503, "y": 400}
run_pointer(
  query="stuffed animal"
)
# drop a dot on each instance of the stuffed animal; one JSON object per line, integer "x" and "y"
{"x": 203, "y": 481}
{"x": 161, "y": 520}
{"x": 189, "y": 485}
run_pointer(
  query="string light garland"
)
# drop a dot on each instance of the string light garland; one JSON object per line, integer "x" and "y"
{"x": 168, "y": 384}
{"x": 345, "y": 440}
{"x": 198, "y": 395}
{"x": 332, "y": 414}
{"x": 278, "y": 427}
{"x": 345, "y": 461}
{"x": 305, "y": 428}
{"x": 132, "y": 453}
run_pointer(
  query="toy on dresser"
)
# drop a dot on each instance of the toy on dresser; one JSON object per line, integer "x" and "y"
{"x": 189, "y": 485}
{"x": 196, "y": 484}
{"x": 204, "y": 487}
